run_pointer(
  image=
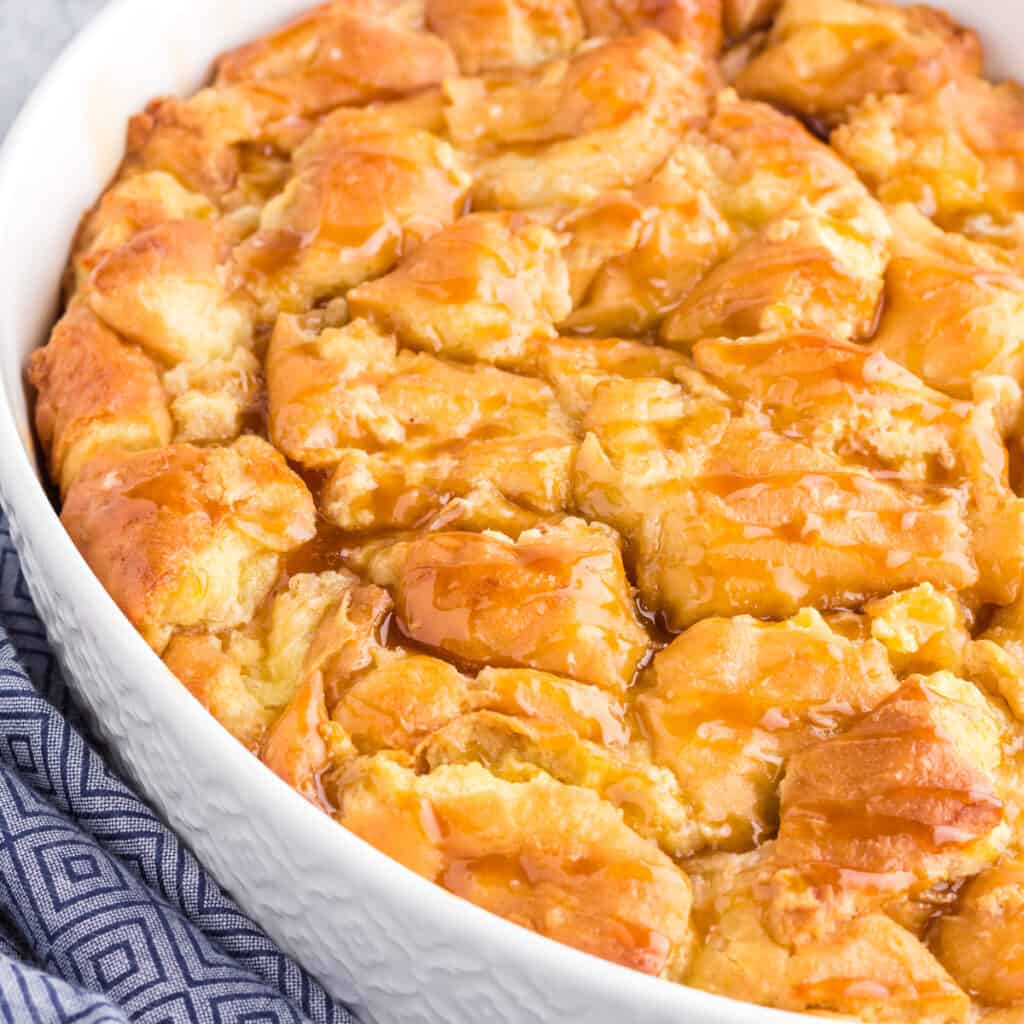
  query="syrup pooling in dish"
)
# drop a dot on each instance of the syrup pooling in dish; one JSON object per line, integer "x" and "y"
{"x": 575, "y": 444}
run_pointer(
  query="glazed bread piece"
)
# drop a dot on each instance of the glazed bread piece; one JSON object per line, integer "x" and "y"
{"x": 360, "y": 197}
{"x": 492, "y": 36}
{"x": 133, "y": 205}
{"x": 489, "y": 36}
{"x": 819, "y": 265}
{"x": 868, "y": 968}
{"x": 742, "y": 17}
{"x": 556, "y": 600}
{"x": 730, "y": 699}
{"x": 231, "y": 142}
{"x": 751, "y": 182}
{"x": 96, "y": 395}
{"x": 976, "y": 295}
{"x": 864, "y": 966}
{"x": 485, "y": 289}
{"x": 735, "y": 471}
{"x": 846, "y": 804}
{"x": 583, "y": 481}
{"x": 980, "y": 942}
{"x": 648, "y": 797}
{"x": 822, "y": 57}
{"x": 605, "y": 118}
{"x": 549, "y": 856}
{"x": 343, "y": 52}
{"x": 326, "y": 624}
{"x": 154, "y": 266}
{"x": 956, "y": 152}
{"x": 403, "y": 433}
{"x": 692, "y": 22}
{"x": 169, "y": 290}
{"x": 185, "y": 536}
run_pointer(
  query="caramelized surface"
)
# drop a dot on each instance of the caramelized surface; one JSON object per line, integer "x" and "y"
{"x": 552, "y": 857}
{"x": 956, "y": 152}
{"x": 725, "y": 191}
{"x": 556, "y": 600}
{"x": 729, "y": 700}
{"x": 847, "y": 803}
{"x": 981, "y": 943}
{"x": 823, "y": 56}
{"x": 592, "y": 484}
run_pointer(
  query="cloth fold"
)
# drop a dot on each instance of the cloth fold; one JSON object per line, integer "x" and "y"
{"x": 105, "y": 916}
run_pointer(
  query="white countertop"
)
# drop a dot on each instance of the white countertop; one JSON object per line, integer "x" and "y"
{"x": 32, "y": 34}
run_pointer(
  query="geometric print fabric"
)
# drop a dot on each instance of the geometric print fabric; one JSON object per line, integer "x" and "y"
{"x": 105, "y": 916}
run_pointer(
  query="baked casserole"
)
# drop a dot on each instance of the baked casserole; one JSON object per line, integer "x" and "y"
{"x": 576, "y": 444}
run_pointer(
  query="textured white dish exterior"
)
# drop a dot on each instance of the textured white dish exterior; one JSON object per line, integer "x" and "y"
{"x": 389, "y": 943}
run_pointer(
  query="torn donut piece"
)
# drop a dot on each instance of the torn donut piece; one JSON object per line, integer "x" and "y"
{"x": 361, "y": 197}
{"x": 906, "y": 796}
{"x": 189, "y": 537}
{"x": 730, "y": 700}
{"x": 976, "y": 297}
{"x": 343, "y": 52}
{"x": 485, "y": 289}
{"x": 822, "y": 57}
{"x": 551, "y": 857}
{"x": 803, "y": 472}
{"x": 752, "y": 182}
{"x": 955, "y": 152}
{"x": 561, "y": 134}
{"x": 402, "y": 433}
{"x": 326, "y": 625}
{"x": 96, "y": 395}
{"x": 557, "y": 600}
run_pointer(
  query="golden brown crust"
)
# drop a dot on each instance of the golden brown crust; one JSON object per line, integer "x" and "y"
{"x": 556, "y": 600}
{"x": 483, "y": 289}
{"x": 301, "y": 742}
{"x": 216, "y": 680}
{"x": 595, "y": 487}
{"x": 552, "y": 857}
{"x": 605, "y": 118}
{"x": 206, "y": 142}
{"x": 400, "y": 702}
{"x": 320, "y": 629}
{"x": 403, "y": 434}
{"x": 956, "y": 152}
{"x": 574, "y": 367}
{"x": 692, "y": 22}
{"x": 975, "y": 295}
{"x": 729, "y": 700}
{"x": 869, "y": 967}
{"x": 906, "y": 796}
{"x": 95, "y": 395}
{"x": 169, "y": 290}
{"x": 488, "y": 35}
{"x": 740, "y": 17}
{"x": 647, "y": 796}
{"x": 982, "y": 944}
{"x": 359, "y": 199}
{"x": 184, "y": 536}
{"x": 133, "y": 205}
{"x": 814, "y": 266}
{"x": 822, "y": 57}
{"x": 343, "y": 52}
{"x": 817, "y": 435}
{"x": 753, "y": 184}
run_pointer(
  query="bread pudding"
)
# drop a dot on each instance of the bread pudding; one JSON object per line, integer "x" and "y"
{"x": 578, "y": 446}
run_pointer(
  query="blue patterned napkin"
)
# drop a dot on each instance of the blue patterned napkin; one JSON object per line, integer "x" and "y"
{"x": 105, "y": 917}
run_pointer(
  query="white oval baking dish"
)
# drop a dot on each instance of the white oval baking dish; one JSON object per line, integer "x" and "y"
{"x": 389, "y": 943}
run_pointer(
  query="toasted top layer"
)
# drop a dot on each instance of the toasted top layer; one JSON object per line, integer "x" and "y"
{"x": 576, "y": 444}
